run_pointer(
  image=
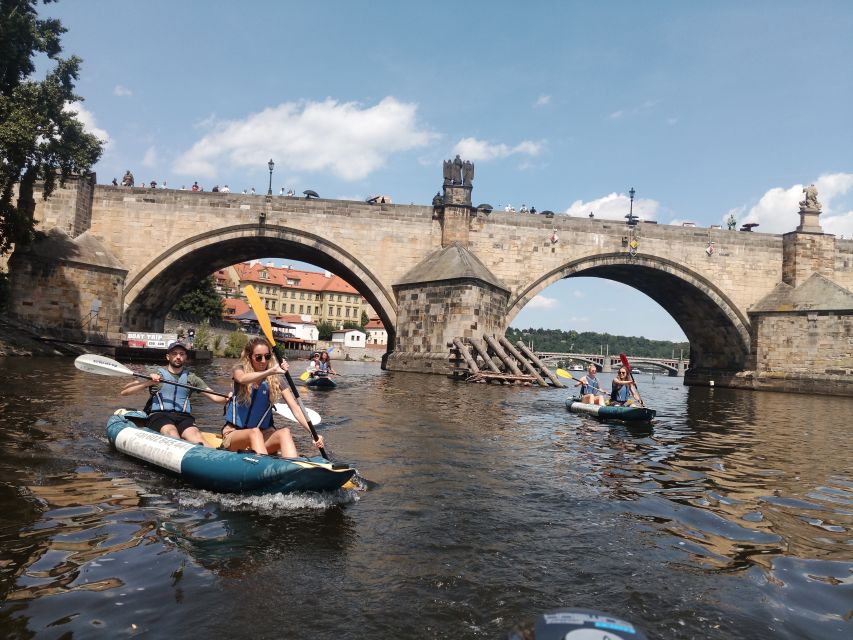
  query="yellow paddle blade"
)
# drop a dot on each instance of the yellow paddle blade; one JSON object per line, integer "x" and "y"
{"x": 260, "y": 313}
{"x": 565, "y": 374}
{"x": 305, "y": 376}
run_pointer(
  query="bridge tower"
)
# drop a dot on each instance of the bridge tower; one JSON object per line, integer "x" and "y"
{"x": 450, "y": 293}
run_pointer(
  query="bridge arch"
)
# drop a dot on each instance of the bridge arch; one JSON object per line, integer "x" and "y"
{"x": 179, "y": 267}
{"x": 718, "y": 331}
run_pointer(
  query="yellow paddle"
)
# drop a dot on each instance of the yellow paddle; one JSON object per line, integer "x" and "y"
{"x": 565, "y": 374}
{"x": 305, "y": 376}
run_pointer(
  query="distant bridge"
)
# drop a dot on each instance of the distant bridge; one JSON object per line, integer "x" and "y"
{"x": 606, "y": 363}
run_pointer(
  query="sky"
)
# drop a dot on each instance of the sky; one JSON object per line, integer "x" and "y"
{"x": 706, "y": 109}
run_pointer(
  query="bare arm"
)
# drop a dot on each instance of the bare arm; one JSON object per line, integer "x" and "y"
{"x": 138, "y": 385}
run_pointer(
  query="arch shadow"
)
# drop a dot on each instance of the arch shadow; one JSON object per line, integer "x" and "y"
{"x": 154, "y": 288}
{"x": 719, "y": 333}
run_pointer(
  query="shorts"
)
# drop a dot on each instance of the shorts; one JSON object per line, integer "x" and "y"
{"x": 229, "y": 429}
{"x": 159, "y": 419}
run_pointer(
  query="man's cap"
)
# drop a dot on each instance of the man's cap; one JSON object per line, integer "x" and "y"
{"x": 175, "y": 345}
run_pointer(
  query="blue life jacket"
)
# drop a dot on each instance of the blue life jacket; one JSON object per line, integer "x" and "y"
{"x": 170, "y": 397}
{"x": 590, "y": 386}
{"x": 620, "y": 393}
{"x": 258, "y": 413}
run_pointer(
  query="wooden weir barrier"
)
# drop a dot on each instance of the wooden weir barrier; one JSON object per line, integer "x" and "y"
{"x": 494, "y": 359}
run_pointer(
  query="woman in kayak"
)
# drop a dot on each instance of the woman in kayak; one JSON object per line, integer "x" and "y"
{"x": 326, "y": 364}
{"x": 248, "y": 414}
{"x": 591, "y": 392}
{"x": 621, "y": 387}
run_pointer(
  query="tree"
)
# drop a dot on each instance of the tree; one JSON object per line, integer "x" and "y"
{"x": 40, "y": 135}
{"x": 203, "y": 301}
{"x": 364, "y": 319}
{"x": 324, "y": 330}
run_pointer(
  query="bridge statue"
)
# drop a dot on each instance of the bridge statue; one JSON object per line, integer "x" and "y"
{"x": 810, "y": 201}
{"x": 467, "y": 172}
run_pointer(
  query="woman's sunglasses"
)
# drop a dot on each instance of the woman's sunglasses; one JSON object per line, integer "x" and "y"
{"x": 260, "y": 357}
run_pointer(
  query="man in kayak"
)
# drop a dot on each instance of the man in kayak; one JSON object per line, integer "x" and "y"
{"x": 623, "y": 386}
{"x": 591, "y": 392}
{"x": 168, "y": 408}
{"x": 314, "y": 366}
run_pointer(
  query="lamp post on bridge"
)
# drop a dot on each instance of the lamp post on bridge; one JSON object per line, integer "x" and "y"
{"x": 271, "y": 166}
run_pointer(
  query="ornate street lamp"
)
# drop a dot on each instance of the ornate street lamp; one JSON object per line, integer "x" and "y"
{"x": 271, "y": 166}
{"x": 632, "y": 221}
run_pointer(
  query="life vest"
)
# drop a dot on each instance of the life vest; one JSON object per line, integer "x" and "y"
{"x": 591, "y": 386}
{"x": 170, "y": 397}
{"x": 258, "y": 413}
{"x": 619, "y": 393}
{"x": 324, "y": 368}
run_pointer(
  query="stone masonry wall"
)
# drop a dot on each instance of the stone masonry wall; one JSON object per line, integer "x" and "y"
{"x": 805, "y": 254}
{"x": 432, "y": 314}
{"x": 804, "y": 342}
{"x": 60, "y": 295}
{"x": 69, "y": 207}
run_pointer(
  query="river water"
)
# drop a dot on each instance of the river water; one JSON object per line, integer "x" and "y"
{"x": 731, "y": 518}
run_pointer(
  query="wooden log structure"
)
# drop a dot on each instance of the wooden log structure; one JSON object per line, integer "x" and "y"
{"x": 500, "y": 362}
{"x": 532, "y": 357}
{"x": 484, "y": 354}
{"x": 515, "y": 354}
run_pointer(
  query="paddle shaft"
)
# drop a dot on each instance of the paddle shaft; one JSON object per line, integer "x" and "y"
{"x": 627, "y": 366}
{"x": 185, "y": 386}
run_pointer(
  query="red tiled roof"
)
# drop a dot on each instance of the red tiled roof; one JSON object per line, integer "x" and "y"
{"x": 374, "y": 323}
{"x": 239, "y": 306}
{"x": 308, "y": 280}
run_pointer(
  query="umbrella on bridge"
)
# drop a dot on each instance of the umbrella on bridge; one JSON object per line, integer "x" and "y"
{"x": 308, "y": 193}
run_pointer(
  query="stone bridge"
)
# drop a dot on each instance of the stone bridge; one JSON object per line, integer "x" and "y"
{"x": 759, "y": 310}
{"x": 607, "y": 363}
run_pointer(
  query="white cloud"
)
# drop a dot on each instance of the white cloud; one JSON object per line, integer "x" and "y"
{"x": 122, "y": 91}
{"x": 648, "y": 105}
{"x": 346, "y": 138}
{"x": 542, "y": 100}
{"x": 88, "y": 119}
{"x": 777, "y": 211}
{"x": 615, "y": 206}
{"x": 474, "y": 149}
{"x": 151, "y": 158}
{"x": 542, "y": 302}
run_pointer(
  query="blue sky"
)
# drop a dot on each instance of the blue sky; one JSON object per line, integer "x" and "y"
{"x": 706, "y": 109}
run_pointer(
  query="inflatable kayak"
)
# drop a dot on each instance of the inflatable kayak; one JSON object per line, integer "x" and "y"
{"x": 615, "y": 412}
{"x": 220, "y": 470}
{"x": 321, "y": 382}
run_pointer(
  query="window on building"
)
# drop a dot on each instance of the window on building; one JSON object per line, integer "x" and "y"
{"x": 317, "y": 311}
{"x": 272, "y": 305}
{"x": 346, "y": 313}
{"x": 302, "y": 295}
{"x": 301, "y": 309}
{"x": 339, "y": 312}
{"x": 264, "y": 275}
{"x": 292, "y": 308}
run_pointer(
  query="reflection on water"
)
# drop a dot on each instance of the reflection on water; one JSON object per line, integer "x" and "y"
{"x": 731, "y": 517}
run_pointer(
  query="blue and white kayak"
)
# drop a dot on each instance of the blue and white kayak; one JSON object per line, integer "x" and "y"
{"x": 615, "y": 412}
{"x": 220, "y": 470}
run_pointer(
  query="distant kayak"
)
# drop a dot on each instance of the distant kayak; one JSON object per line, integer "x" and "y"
{"x": 612, "y": 412}
{"x": 321, "y": 382}
{"x": 220, "y": 470}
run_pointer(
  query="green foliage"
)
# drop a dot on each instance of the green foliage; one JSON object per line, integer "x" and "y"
{"x": 217, "y": 344}
{"x": 324, "y": 330}
{"x": 203, "y": 301}
{"x": 203, "y": 336}
{"x": 236, "y": 341}
{"x": 592, "y": 342}
{"x": 364, "y": 319}
{"x": 40, "y": 136}
{"x": 351, "y": 324}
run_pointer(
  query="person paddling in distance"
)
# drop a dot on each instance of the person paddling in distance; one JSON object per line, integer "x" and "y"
{"x": 314, "y": 367}
{"x": 591, "y": 392}
{"x": 326, "y": 364}
{"x": 168, "y": 408}
{"x": 249, "y": 412}
{"x": 621, "y": 388}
